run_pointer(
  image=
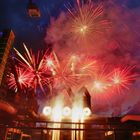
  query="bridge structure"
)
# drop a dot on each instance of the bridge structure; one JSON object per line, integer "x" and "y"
{"x": 90, "y": 129}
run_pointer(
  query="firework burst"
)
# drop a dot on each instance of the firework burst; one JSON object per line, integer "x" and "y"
{"x": 122, "y": 78}
{"x": 64, "y": 71}
{"x": 74, "y": 71}
{"x": 100, "y": 83}
{"x": 23, "y": 79}
{"x": 87, "y": 20}
{"x": 112, "y": 82}
{"x": 34, "y": 65}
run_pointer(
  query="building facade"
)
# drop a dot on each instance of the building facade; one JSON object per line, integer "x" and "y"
{"x": 6, "y": 41}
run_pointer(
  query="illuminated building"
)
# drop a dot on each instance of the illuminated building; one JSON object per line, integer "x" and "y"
{"x": 32, "y": 9}
{"x": 6, "y": 41}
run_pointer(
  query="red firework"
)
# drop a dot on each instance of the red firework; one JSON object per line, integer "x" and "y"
{"x": 72, "y": 72}
{"x": 100, "y": 83}
{"x": 87, "y": 66}
{"x": 23, "y": 79}
{"x": 122, "y": 78}
{"x": 35, "y": 65}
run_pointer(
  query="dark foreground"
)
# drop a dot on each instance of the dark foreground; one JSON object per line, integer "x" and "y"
{"x": 94, "y": 128}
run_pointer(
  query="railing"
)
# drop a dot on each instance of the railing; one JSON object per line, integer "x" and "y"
{"x": 66, "y": 130}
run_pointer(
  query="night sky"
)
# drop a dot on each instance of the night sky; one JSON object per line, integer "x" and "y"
{"x": 30, "y": 30}
{"x": 13, "y": 14}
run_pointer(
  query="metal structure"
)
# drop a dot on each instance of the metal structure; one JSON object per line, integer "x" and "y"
{"x": 91, "y": 129}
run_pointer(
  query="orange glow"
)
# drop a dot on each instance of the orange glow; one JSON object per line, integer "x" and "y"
{"x": 83, "y": 29}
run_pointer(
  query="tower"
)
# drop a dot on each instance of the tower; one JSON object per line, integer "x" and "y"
{"x": 33, "y": 10}
{"x": 6, "y": 41}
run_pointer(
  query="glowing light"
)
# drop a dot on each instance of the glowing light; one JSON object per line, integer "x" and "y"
{"x": 53, "y": 72}
{"x": 99, "y": 86}
{"x": 74, "y": 71}
{"x": 77, "y": 116}
{"x": 108, "y": 133}
{"x": 76, "y": 113}
{"x": 50, "y": 62}
{"x": 116, "y": 80}
{"x": 57, "y": 116}
{"x": 83, "y": 29}
{"x": 47, "y": 110}
{"x": 86, "y": 112}
{"x": 66, "y": 111}
{"x": 57, "y": 110}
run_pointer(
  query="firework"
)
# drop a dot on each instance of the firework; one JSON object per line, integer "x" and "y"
{"x": 72, "y": 70}
{"x": 87, "y": 20}
{"x": 48, "y": 70}
{"x": 43, "y": 70}
{"x": 35, "y": 66}
{"x": 65, "y": 73}
{"x": 23, "y": 79}
{"x": 114, "y": 82}
{"x": 87, "y": 66}
{"x": 122, "y": 78}
{"x": 100, "y": 83}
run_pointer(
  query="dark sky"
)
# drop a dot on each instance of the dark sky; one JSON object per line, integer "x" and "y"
{"x": 30, "y": 30}
{"x": 13, "y": 15}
